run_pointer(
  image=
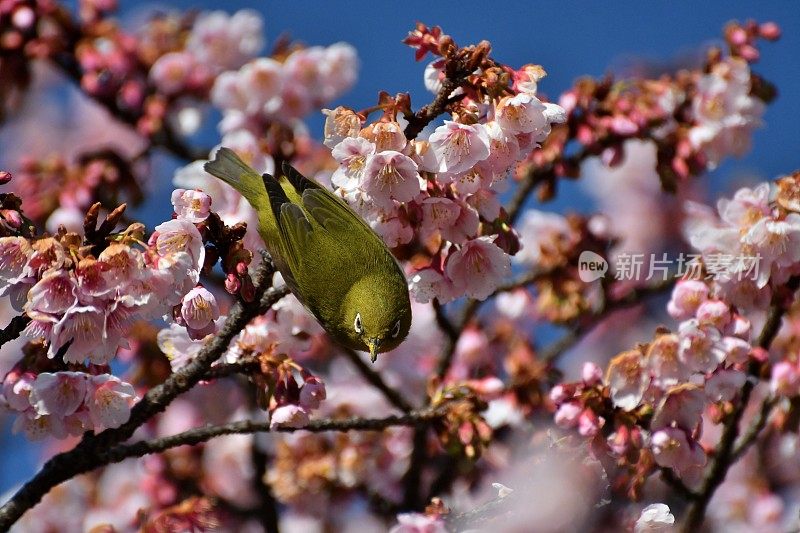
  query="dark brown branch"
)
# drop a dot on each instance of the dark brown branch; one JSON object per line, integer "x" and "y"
{"x": 426, "y": 114}
{"x": 669, "y": 477}
{"x": 724, "y": 454}
{"x": 83, "y": 457}
{"x": 267, "y": 507}
{"x": 14, "y": 329}
{"x": 375, "y": 379}
{"x": 198, "y": 435}
{"x": 222, "y": 370}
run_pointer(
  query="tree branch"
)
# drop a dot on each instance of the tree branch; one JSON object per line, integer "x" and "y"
{"x": 14, "y": 329}
{"x": 196, "y": 436}
{"x": 82, "y": 458}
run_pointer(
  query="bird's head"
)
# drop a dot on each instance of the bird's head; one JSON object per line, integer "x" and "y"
{"x": 376, "y": 314}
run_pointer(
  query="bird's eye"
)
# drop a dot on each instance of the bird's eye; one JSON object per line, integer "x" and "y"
{"x": 396, "y": 330}
{"x": 357, "y": 324}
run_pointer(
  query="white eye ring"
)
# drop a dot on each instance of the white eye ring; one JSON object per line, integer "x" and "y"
{"x": 396, "y": 330}
{"x": 357, "y": 324}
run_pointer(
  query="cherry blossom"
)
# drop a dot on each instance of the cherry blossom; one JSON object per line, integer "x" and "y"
{"x": 478, "y": 267}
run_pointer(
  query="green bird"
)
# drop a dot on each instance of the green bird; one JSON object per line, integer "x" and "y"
{"x": 331, "y": 259}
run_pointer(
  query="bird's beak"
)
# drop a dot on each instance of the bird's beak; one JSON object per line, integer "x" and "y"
{"x": 374, "y": 345}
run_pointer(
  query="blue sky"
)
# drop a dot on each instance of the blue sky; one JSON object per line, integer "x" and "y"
{"x": 569, "y": 39}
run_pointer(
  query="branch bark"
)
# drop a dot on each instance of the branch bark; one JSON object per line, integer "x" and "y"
{"x": 14, "y": 329}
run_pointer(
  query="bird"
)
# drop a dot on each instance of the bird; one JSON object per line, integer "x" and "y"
{"x": 329, "y": 257}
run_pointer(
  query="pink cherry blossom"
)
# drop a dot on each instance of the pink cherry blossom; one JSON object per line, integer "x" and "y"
{"x": 418, "y": 523}
{"x": 55, "y": 293}
{"x": 199, "y": 309}
{"x": 687, "y": 296}
{"x": 428, "y": 283}
{"x": 351, "y": 154}
{"x": 171, "y": 72}
{"x": 682, "y": 407}
{"x": 701, "y": 347}
{"x": 724, "y": 385}
{"x": 17, "y": 388}
{"x": 655, "y": 518}
{"x": 715, "y": 313}
{"x": 59, "y": 394}
{"x": 222, "y": 42}
{"x": 785, "y": 379}
{"x": 568, "y": 414}
{"x": 386, "y": 136}
{"x": 540, "y": 231}
{"x": 459, "y": 146}
{"x": 109, "y": 401}
{"x": 627, "y": 380}
{"x": 260, "y": 82}
{"x": 84, "y": 327}
{"x": 14, "y": 254}
{"x": 672, "y": 448}
{"x": 191, "y": 205}
{"x": 526, "y": 114}
{"x": 504, "y": 152}
{"x": 177, "y": 236}
{"x": 664, "y": 363}
{"x": 390, "y": 176}
{"x": 725, "y": 112}
{"x": 289, "y": 415}
{"x": 464, "y": 227}
{"x": 478, "y": 267}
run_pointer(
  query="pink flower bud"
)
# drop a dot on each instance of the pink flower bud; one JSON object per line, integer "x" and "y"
{"x": 568, "y": 414}
{"x": 769, "y": 31}
{"x": 312, "y": 393}
{"x": 5, "y": 177}
{"x": 591, "y": 374}
{"x": 559, "y": 394}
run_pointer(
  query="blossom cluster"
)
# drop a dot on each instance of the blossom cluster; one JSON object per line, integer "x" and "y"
{"x": 654, "y": 397}
{"x": 283, "y": 88}
{"x": 441, "y": 188}
{"x": 67, "y": 403}
{"x": 694, "y": 117}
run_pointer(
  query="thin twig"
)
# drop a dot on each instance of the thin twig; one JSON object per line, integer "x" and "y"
{"x": 669, "y": 477}
{"x": 754, "y": 430}
{"x": 375, "y": 379}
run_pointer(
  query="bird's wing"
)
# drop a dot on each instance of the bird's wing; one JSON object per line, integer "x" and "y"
{"x": 329, "y": 211}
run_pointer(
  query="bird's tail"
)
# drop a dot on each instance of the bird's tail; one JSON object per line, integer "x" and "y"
{"x": 228, "y": 167}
